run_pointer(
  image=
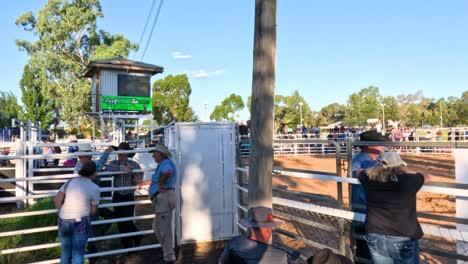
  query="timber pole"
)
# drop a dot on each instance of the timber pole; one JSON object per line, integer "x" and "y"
{"x": 262, "y": 105}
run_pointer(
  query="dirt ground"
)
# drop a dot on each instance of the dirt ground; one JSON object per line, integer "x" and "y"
{"x": 441, "y": 168}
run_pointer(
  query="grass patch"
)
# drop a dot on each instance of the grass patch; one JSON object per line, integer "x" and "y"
{"x": 28, "y": 222}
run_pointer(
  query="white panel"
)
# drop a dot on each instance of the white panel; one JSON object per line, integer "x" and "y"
{"x": 461, "y": 176}
{"x": 206, "y": 160}
{"x": 109, "y": 82}
{"x": 93, "y": 93}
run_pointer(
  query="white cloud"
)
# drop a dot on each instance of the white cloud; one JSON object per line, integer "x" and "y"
{"x": 218, "y": 72}
{"x": 202, "y": 73}
{"x": 180, "y": 56}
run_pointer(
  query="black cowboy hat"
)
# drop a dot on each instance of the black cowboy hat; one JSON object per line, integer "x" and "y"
{"x": 372, "y": 135}
{"x": 124, "y": 146}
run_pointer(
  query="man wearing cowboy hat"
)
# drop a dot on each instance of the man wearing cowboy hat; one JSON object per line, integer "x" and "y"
{"x": 162, "y": 194}
{"x": 256, "y": 248}
{"x": 82, "y": 159}
{"x": 367, "y": 158}
{"x": 126, "y": 179}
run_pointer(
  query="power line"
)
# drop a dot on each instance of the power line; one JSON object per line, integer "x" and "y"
{"x": 153, "y": 4}
{"x": 152, "y": 28}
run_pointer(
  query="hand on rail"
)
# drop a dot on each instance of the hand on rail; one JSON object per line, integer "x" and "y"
{"x": 427, "y": 177}
{"x": 143, "y": 183}
{"x": 109, "y": 149}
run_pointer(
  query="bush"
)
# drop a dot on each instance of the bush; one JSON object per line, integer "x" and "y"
{"x": 21, "y": 223}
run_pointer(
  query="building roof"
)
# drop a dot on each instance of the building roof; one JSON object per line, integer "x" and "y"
{"x": 121, "y": 64}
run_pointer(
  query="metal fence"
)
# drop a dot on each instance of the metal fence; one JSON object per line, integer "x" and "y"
{"x": 311, "y": 146}
{"x": 25, "y": 192}
{"x": 313, "y": 221}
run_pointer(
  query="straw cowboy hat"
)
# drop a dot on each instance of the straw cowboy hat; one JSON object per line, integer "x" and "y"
{"x": 124, "y": 146}
{"x": 390, "y": 159}
{"x": 84, "y": 147}
{"x": 260, "y": 217}
{"x": 161, "y": 149}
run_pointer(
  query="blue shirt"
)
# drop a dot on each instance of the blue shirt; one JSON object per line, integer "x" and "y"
{"x": 358, "y": 197}
{"x": 163, "y": 167}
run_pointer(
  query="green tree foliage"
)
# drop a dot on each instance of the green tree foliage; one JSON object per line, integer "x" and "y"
{"x": 287, "y": 111}
{"x": 363, "y": 105}
{"x": 330, "y": 114}
{"x": 67, "y": 40}
{"x": 171, "y": 99}
{"x": 226, "y": 111}
{"x": 463, "y": 109}
{"x": 10, "y": 108}
{"x": 37, "y": 106}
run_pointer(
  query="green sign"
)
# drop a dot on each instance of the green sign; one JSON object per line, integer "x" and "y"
{"x": 125, "y": 103}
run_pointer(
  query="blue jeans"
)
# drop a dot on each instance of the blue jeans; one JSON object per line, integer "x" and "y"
{"x": 73, "y": 237}
{"x": 392, "y": 249}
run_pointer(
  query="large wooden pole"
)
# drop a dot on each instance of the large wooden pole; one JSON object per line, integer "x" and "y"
{"x": 263, "y": 95}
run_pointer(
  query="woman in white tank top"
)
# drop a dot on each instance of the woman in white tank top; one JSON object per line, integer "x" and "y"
{"x": 76, "y": 200}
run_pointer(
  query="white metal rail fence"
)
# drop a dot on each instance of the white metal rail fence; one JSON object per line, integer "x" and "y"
{"x": 25, "y": 194}
{"x": 300, "y": 146}
{"x": 313, "y": 221}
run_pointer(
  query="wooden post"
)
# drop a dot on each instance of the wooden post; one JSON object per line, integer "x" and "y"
{"x": 262, "y": 104}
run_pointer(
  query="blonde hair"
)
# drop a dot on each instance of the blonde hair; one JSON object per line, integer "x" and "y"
{"x": 384, "y": 174}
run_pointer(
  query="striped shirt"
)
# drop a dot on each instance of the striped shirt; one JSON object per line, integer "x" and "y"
{"x": 125, "y": 180}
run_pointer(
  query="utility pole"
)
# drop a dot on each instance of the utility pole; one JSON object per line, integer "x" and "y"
{"x": 441, "y": 118}
{"x": 263, "y": 95}
{"x": 300, "y": 110}
{"x": 383, "y": 119}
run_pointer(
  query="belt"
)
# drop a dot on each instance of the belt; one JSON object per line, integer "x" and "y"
{"x": 157, "y": 193}
{"x": 75, "y": 220}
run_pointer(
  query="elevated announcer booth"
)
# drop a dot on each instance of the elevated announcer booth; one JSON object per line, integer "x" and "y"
{"x": 120, "y": 91}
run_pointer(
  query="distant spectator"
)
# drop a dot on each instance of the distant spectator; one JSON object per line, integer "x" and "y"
{"x": 457, "y": 135}
{"x": 438, "y": 135}
{"x": 71, "y": 161}
{"x": 129, "y": 136}
{"x": 5, "y": 152}
{"x": 48, "y": 151}
{"x": 450, "y": 134}
{"x": 56, "y": 150}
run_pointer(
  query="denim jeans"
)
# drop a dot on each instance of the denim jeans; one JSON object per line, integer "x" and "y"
{"x": 392, "y": 249}
{"x": 73, "y": 237}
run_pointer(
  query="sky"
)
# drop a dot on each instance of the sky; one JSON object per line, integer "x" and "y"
{"x": 326, "y": 50}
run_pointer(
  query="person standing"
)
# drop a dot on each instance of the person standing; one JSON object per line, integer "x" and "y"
{"x": 367, "y": 158}
{"x": 392, "y": 227}
{"x": 162, "y": 194}
{"x": 128, "y": 179}
{"x": 106, "y": 213}
{"x": 76, "y": 201}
